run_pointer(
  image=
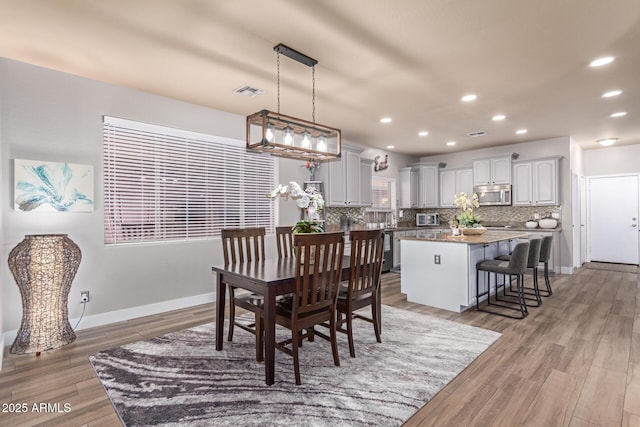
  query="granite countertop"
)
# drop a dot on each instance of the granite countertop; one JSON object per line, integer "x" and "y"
{"x": 476, "y": 239}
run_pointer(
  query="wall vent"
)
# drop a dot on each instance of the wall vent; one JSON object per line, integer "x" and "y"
{"x": 476, "y": 134}
{"x": 247, "y": 90}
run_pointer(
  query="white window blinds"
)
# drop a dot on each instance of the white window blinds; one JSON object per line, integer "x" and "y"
{"x": 169, "y": 184}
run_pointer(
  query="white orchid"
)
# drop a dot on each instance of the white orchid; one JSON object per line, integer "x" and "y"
{"x": 308, "y": 199}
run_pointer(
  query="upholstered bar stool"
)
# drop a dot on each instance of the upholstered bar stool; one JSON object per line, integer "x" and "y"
{"x": 532, "y": 262}
{"x": 516, "y": 266}
{"x": 545, "y": 255}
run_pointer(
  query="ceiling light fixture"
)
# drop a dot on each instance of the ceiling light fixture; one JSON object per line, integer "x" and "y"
{"x": 469, "y": 98}
{"x": 423, "y": 133}
{"x": 498, "y": 117}
{"x": 607, "y": 141}
{"x": 386, "y": 120}
{"x": 601, "y": 61}
{"x": 521, "y": 131}
{"x": 288, "y": 136}
{"x": 391, "y": 147}
{"x": 611, "y": 93}
{"x": 619, "y": 114}
{"x": 451, "y": 143}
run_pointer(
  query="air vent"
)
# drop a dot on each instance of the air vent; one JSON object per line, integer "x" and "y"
{"x": 476, "y": 134}
{"x": 248, "y": 91}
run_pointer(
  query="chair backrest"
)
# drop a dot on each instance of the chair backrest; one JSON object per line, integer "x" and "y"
{"x": 318, "y": 272}
{"x": 534, "y": 253}
{"x": 367, "y": 248}
{"x": 243, "y": 244}
{"x": 519, "y": 258}
{"x": 284, "y": 240}
{"x": 545, "y": 248}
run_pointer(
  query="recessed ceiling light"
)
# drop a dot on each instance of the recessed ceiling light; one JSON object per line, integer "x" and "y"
{"x": 521, "y": 131}
{"x": 423, "y": 133}
{"x": 469, "y": 98}
{"x": 498, "y": 117}
{"x": 607, "y": 141}
{"x": 385, "y": 120}
{"x": 451, "y": 143}
{"x": 611, "y": 93}
{"x": 601, "y": 61}
{"x": 619, "y": 114}
{"x": 391, "y": 147}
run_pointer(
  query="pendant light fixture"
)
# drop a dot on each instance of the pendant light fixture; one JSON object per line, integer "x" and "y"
{"x": 288, "y": 136}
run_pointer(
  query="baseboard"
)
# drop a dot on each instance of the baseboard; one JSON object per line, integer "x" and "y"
{"x": 102, "y": 319}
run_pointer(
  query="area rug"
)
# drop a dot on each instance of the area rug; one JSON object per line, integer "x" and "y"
{"x": 179, "y": 379}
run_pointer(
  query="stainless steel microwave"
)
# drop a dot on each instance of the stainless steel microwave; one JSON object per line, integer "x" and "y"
{"x": 493, "y": 195}
{"x": 424, "y": 219}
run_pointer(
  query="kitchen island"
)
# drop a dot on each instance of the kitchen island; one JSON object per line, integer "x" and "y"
{"x": 439, "y": 270}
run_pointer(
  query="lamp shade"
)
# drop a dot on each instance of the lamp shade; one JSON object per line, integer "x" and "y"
{"x": 44, "y": 267}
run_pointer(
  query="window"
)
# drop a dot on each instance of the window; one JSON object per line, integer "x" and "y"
{"x": 168, "y": 184}
{"x": 384, "y": 193}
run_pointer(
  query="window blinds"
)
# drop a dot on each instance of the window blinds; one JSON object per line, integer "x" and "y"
{"x": 169, "y": 184}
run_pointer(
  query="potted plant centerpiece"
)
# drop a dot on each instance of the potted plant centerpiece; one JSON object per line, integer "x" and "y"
{"x": 468, "y": 221}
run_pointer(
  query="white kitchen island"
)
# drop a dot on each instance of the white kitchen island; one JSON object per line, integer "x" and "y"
{"x": 439, "y": 270}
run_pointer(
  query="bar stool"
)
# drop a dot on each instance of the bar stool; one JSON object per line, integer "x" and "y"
{"x": 533, "y": 260}
{"x": 516, "y": 266}
{"x": 545, "y": 255}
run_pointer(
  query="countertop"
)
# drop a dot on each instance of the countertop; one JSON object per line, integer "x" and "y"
{"x": 476, "y": 239}
{"x": 515, "y": 227}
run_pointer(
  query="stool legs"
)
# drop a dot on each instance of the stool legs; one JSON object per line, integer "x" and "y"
{"x": 521, "y": 304}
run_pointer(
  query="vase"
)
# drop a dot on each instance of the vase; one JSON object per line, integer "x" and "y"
{"x": 43, "y": 267}
{"x": 312, "y": 177}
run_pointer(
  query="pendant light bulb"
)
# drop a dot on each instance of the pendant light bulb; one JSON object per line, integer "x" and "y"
{"x": 288, "y": 136}
{"x": 306, "y": 142}
{"x": 269, "y": 132}
{"x": 322, "y": 143}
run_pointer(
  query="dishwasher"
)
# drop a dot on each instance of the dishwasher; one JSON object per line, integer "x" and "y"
{"x": 388, "y": 252}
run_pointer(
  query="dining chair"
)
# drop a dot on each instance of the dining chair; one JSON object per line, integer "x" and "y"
{"x": 314, "y": 301}
{"x": 367, "y": 248}
{"x": 240, "y": 245}
{"x": 284, "y": 240}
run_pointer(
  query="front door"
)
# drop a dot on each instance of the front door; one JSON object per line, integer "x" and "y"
{"x": 613, "y": 219}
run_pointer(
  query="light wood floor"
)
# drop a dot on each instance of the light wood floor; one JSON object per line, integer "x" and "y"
{"x": 574, "y": 362}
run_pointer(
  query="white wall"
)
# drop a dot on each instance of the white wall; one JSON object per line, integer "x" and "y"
{"x": 612, "y": 160}
{"x": 47, "y": 115}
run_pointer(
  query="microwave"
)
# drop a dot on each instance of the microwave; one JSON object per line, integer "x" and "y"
{"x": 493, "y": 195}
{"x": 425, "y": 219}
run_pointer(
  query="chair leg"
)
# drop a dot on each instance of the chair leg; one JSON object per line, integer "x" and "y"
{"x": 546, "y": 278}
{"x": 352, "y": 349}
{"x": 375, "y": 315}
{"x": 232, "y": 312}
{"x": 295, "y": 342}
{"x": 334, "y": 339}
{"x": 536, "y": 288}
{"x": 520, "y": 287}
{"x": 259, "y": 338}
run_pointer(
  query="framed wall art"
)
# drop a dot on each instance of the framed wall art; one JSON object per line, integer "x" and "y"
{"x": 52, "y": 187}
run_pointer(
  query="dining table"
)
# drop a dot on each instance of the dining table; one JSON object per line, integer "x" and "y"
{"x": 270, "y": 278}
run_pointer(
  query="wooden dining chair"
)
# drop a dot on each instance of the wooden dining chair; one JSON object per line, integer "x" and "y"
{"x": 314, "y": 301}
{"x": 240, "y": 245}
{"x": 367, "y": 248}
{"x": 284, "y": 240}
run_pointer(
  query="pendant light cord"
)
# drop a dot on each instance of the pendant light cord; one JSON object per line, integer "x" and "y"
{"x": 313, "y": 93}
{"x": 278, "y": 82}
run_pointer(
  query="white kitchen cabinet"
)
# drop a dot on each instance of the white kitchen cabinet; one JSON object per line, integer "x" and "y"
{"x": 396, "y": 247}
{"x": 492, "y": 171}
{"x": 452, "y": 182}
{"x": 409, "y": 178}
{"x": 343, "y": 180}
{"x": 535, "y": 183}
{"x": 366, "y": 168}
{"x": 428, "y": 179}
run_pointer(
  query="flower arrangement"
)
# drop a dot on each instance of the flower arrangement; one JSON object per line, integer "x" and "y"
{"x": 312, "y": 166}
{"x": 308, "y": 199}
{"x": 466, "y": 205}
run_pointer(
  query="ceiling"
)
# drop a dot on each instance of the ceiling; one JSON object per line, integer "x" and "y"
{"x": 411, "y": 60}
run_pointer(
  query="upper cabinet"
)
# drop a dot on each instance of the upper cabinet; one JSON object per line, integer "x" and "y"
{"x": 409, "y": 178}
{"x": 343, "y": 179}
{"x": 492, "y": 171}
{"x": 452, "y": 182}
{"x": 535, "y": 182}
{"x": 428, "y": 178}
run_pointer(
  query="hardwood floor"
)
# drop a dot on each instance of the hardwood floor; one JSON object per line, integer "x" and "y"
{"x": 573, "y": 362}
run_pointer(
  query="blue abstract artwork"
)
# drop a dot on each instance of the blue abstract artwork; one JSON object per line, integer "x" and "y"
{"x": 53, "y": 187}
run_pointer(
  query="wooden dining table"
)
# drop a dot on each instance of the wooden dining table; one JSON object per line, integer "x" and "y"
{"x": 269, "y": 278}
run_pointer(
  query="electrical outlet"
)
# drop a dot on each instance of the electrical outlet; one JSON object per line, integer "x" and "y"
{"x": 84, "y": 297}
{"x": 555, "y": 215}
{"x": 436, "y": 259}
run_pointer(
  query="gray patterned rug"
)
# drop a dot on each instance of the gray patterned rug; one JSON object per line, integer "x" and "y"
{"x": 179, "y": 378}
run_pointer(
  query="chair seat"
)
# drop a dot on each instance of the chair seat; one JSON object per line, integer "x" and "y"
{"x": 496, "y": 266}
{"x": 252, "y": 300}
{"x": 504, "y": 257}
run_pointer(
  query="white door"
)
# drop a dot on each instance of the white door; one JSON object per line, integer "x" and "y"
{"x": 613, "y": 219}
